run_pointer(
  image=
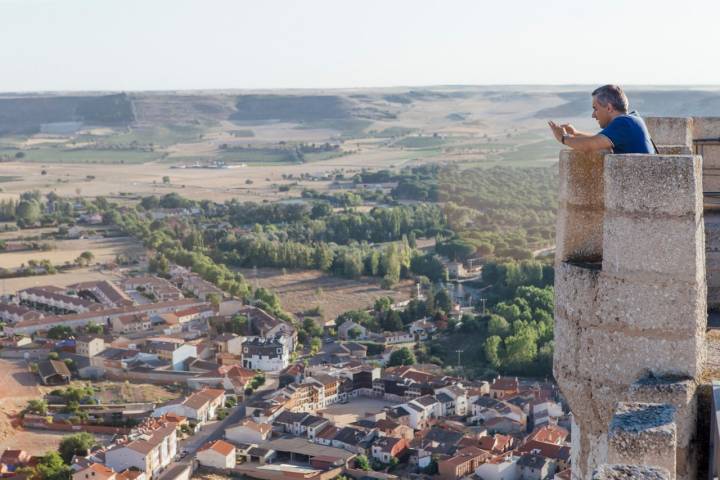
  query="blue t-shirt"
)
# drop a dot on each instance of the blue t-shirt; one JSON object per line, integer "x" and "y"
{"x": 628, "y": 134}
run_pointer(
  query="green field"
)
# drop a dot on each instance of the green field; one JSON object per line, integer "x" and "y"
{"x": 420, "y": 142}
{"x": 54, "y": 155}
{"x": 9, "y": 178}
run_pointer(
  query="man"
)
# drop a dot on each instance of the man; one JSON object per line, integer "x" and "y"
{"x": 621, "y": 132}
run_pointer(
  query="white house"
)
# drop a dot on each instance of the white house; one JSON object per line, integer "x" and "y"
{"x": 217, "y": 454}
{"x": 504, "y": 468}
{"x": 249, "y": 431}
{"x": 268, "y": 355}
{"x": 201, "y": 406}
{"x": 421, "y": 410}
{"x": 453, "y": 400}
{"x": 148, "y": 453}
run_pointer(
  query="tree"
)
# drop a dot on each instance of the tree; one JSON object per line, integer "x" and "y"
{"x": 85, "y": 258}
{"x": 59, "y": 332}
{"x": 404, "y": 356}
{"x": 315, "y": 346}
{"x": 94, "y": 328}
{"x": 238, "y": 324}
{"x": 498, "y": 326}
{"x": 493, "y": 352}
{"x": 443, "y": 301}
{"x": 362, "y": 462}
{"x": 28, "y": 212}
{"x": 52, "y": 467}
{"x": 76, "y": 444}
{"x": 39, "y": 407}
{"x": 166, "y": 179}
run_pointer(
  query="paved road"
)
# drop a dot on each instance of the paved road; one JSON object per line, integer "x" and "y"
{"x": 212, "y": 431}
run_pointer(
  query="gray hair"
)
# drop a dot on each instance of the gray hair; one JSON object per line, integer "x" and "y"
{"x": 613, "y": 95}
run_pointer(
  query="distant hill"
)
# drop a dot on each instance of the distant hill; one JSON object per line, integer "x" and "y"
{"x": 291, "y": 108}
{"x": 27, "y": 115}
{"x": 646, "y": 102}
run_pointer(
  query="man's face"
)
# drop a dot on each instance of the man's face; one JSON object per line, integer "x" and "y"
{"x": 603, "y": 114}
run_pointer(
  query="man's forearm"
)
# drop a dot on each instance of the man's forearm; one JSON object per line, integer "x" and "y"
{"x": 583, "y": 134}
{"x": 587, "y": 143}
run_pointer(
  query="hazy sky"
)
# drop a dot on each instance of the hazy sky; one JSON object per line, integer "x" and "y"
{"x": 193, "y": 44}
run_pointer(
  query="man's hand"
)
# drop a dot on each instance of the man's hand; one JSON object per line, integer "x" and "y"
{"x": 569, "y": 129}
{"x": 557, "y": 130}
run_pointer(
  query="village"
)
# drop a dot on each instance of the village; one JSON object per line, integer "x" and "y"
{"x": 246, "y": 403}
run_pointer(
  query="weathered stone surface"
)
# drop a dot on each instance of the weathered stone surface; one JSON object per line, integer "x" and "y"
{"x": 711, "y": 158}
{"x": 671, "y": 246}
{"x": 661, "y": 305}
{"x": 576, "y": 289}
{"x": 670, "y": 130}
{"x": 705, "y": 127}
{"x": 674, "y": 150}
{"x": 653, "y": 185}
{"x": 630, "y": 472}
{"x": 623, "y": 357}
{"x": 643, "y": 434}
{"x": 581, "y": 178}
{"x": 579, "y": 234}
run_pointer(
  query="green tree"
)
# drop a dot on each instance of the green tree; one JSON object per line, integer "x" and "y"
{"x": 443, "y": 301}
{"x": 493, "y": 351}
{"x": 94, "y": 328}
{"x": 315, "y": 346}
{"x": 38, "y": 407}
{"x": 362, "y": 462}
{"x": 52, "y": 467}
{"x": 28, "y": 212}
{"x": 59, "y": 332}
{"x": 166, "y": 179}
{"x": 498, "y": 326}
{"x": 75, "y": 444}
{"x": 403, "y": 356}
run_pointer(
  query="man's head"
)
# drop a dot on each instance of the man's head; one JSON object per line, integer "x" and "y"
{"x": 608, "y": 102}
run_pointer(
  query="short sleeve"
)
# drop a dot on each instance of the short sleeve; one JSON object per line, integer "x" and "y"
{"x": 619, "y": 133}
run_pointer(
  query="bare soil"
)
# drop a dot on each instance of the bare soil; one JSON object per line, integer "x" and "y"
{"x": 301, "y": 290}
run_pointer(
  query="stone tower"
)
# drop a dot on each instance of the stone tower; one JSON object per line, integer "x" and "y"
{"x": 631, "y": 301}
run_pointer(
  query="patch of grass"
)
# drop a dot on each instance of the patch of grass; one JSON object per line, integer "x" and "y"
{"x": 420, "y": 142}
{"x": 54, "y": 155}
{"x": 258, "y": 156}
{"x": 320, "y": 156}
{"x": 9, "y": 178}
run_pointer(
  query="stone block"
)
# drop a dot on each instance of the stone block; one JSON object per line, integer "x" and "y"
{"x": 670, "y": 246}
{"x": 711, "y": 182}
{"x": 712, "y": 231}
{"x": 643, "y": 434}
{"x": 621, "y": 356}
{"x": 705, "y": 128}
{"x": 674, "y": 150}
{"x": 659, "y": 305}
{"x": 629, "y": 472}
{"x": 576, "y": 288}
{"x": 581, "y": 178}
{"x": 710, "y": 154}
{"x": 653, "y": 184}
{"x": 670, "y": 130}
{"x": 579, "y": 233}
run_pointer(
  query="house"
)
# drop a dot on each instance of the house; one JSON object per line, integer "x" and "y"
{"x": 535, "y": 467}
{"x": 269, "y": 355}
{"x": 390, "y": 428}
{"x": 53, "y": 299}
{"x": 13, "y": 313}
{"x": 487, "y": 408}
{"x": 249, "y": 431}
{"x": 499, "y": 468}
{"x": 544, "y": 413}
{"x": 14, "y": 459}
{"x": 198, "y": 312}
{"x": 549, "y": 434}
{"x": 15, "y": 341}
{"x": 504, "y": 387}
{"x": 385, "y": 449}
{"x": 421, "y": 329}
{"x": 462, "y": 463}
{"x": 89, "y": 346}
{"x": 394, "y": 338}
{"x": 157, "y": 287}
{"x": 175, "y": 350}
{"x": 351, "y": 331}
{"x": 102, "y": 292}
{"x": 229, "y": 343}
{"x": 504, "y": 425}
{"x": 421, "y": 410}
{"x": 326, "y": 435}
{"x": 217, "y": 454}
{"x": 201, "y": 406}
{"x": 453, "y": 400}
{"x": 231, "y": 378}
{"x": 352, "y": 440}
{"x": 95, "y": 471}
{"x": 53, "y": 372}
{"x": 133, "y": 322}
{"x": 149, "y": 453}
{"x": 558, "y": 454}
{"x": 496, "y": 444}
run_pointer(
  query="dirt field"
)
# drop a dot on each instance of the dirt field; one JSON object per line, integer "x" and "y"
{"x": 18, "y": 386}
{"x": 304, "y": 289}
{"x": 343, "y": 414}
{"x": 104, "y": 249}
{"x": 12, "y": 285}
{"x": 39, "y": 442}
{"x": 117, "y": 392}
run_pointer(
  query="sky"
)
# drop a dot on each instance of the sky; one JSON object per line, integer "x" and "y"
{"x": 75, "y": 45}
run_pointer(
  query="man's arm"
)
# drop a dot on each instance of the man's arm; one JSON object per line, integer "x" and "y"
{"x": 584, "y": 143}
{"x": 570, "y": 130}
